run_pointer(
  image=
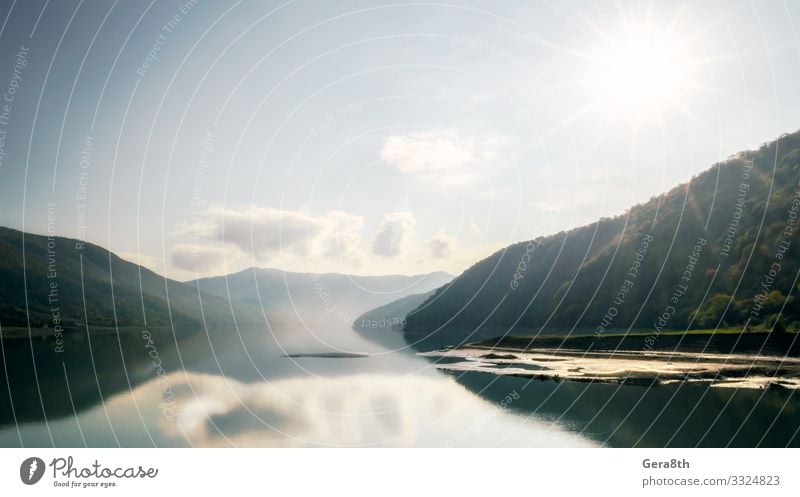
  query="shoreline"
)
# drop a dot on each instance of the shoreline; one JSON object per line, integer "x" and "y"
{"x": 21, "y": 332}
{"x": 697, "y": 341}
{"x": 570, "y": 359}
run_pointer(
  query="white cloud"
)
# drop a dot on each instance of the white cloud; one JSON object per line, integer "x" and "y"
{"x": 395, "y": 234}
{"x": 442, "y": 157}
{"x": 200, "y": 258}
{"x": 264, "y": 230}
{"x": 340, "y": 237}
{"x": 141, "y": 259}
{"x": 263, "y": 235}
{"x": 219, "y": 242}
{"x": 441, "y": 245}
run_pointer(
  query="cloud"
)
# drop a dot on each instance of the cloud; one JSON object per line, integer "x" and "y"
{"x": 394, "y": 235}
{"x": 441, "y": 245}
{"x": 340, "y": 237}
{"x": 200, "y": 258}
{"x": 141, "y": 259}
{"x": 442, "y": 157}
{"x": 265, "y": 232}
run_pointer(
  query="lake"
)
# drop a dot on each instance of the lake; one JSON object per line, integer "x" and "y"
{"x": 340, "y": 387}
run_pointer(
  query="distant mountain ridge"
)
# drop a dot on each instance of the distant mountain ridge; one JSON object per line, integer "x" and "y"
{"x": 68, "y": 283}
{"x": 318, "y": 296}
{"x": 718, "y": 251}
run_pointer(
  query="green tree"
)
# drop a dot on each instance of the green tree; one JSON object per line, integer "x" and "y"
{"x": 712, "y": 311}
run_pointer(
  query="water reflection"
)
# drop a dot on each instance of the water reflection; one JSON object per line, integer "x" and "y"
{"x": 658, "y": 416}
{"x": 230, "y": 388}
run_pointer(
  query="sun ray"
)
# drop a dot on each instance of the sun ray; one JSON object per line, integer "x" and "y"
{"x": 642, "y": 65}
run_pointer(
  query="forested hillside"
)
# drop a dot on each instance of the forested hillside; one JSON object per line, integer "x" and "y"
{"x": 718, "y": 251}
{"x": 46, "y": 281}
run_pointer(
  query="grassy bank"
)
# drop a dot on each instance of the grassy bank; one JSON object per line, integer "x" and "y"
{"x": 722, "y": 341}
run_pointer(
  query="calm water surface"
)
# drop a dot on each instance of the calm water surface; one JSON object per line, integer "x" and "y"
{"x": 228, "y": 388}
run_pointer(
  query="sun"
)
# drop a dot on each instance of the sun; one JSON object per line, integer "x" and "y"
{"x": 640, "y": 70}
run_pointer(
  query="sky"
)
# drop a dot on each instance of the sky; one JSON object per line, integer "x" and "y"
{"x": 199, "y": 138}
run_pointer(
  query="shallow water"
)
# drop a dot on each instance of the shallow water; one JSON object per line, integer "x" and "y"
{"x": 629, "y": 367}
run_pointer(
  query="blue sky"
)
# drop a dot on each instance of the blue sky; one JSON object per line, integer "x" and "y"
{"x": 372, "y": 137}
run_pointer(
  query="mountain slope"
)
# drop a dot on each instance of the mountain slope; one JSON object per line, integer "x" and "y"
{"x": 59, "y": 277}
{"x": 698, "y": 256}
{"x": 383, "y": 325}
{"x": 392, "y": 314}
{"x": 318, "y": 296}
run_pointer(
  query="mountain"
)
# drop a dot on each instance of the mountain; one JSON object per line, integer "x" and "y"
{"x": 45, "y": 281}
{"x": 393, "y": 314}
{"x": 318, "y": 297}
{"x": 383, "y": 325}
{"x": 718, "y": 251}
